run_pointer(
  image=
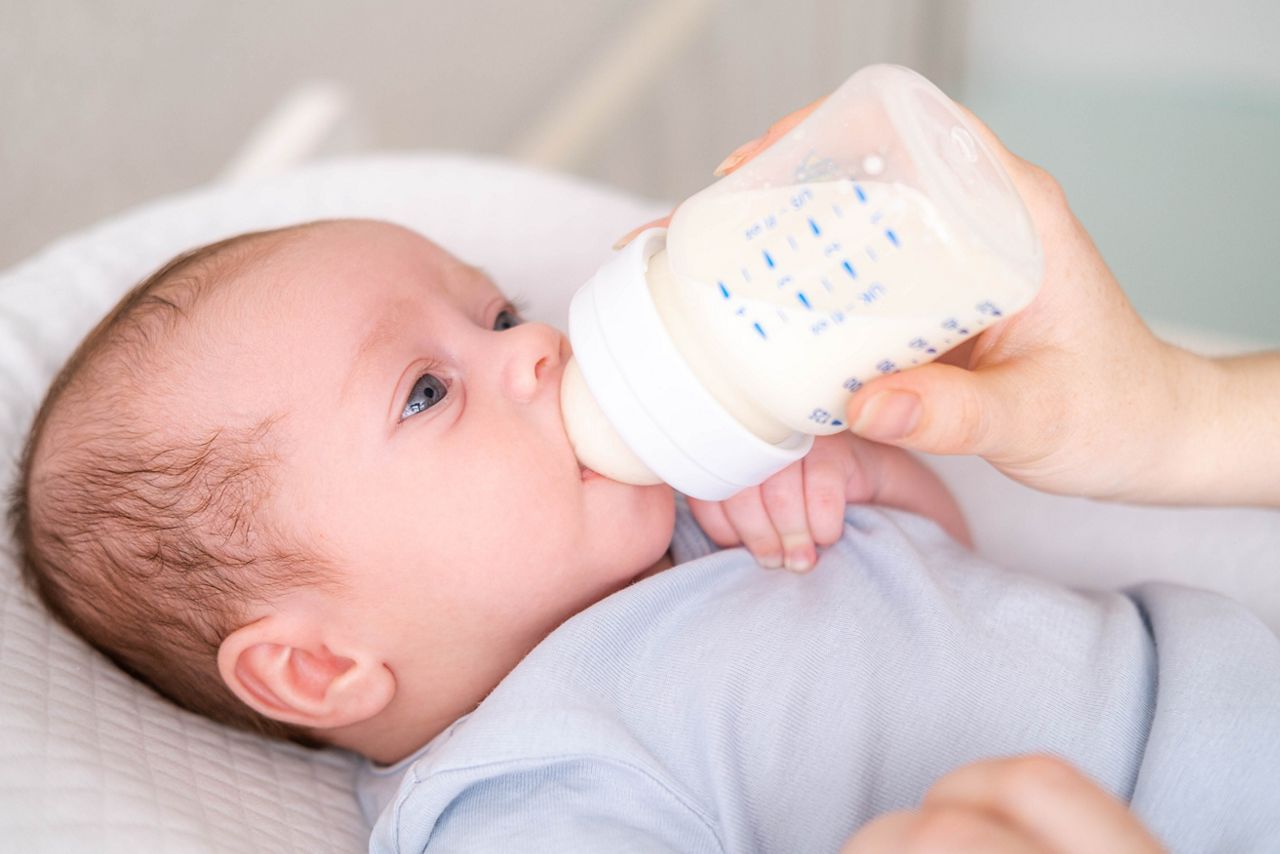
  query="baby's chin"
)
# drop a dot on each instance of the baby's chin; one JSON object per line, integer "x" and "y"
{"x": 642, "y": 519}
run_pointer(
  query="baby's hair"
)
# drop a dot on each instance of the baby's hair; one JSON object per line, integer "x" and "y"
{"x": 140, "y": 526}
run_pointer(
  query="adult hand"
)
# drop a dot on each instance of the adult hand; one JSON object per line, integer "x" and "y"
{"x": 1022, "y": 805}
{"x": 1075, "y": 394}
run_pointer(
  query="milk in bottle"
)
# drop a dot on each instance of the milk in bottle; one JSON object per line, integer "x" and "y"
{"x": 875, "y": 236}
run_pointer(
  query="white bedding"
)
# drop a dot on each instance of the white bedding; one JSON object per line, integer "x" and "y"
{"x": 91, "y": 760}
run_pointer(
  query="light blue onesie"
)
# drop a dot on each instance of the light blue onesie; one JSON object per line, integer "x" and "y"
{"x": 721, "y": 707}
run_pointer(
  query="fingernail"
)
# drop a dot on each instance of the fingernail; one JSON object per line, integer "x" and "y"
{"x": 798, "y": 561}
{"x": 736, "y": 157}
{"x": 770, "y": 561}
{"x": 799, "y": 551}
{"x": 888, "y": 415}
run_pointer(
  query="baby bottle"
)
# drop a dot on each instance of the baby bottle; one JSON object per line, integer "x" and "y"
{"x": 876, "y": 235}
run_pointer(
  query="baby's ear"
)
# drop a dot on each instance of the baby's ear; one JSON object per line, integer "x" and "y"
{"x": 283, "y": 670}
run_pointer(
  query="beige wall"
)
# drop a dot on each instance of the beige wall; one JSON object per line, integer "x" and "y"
{"x": 1161, "y": 117}
{"x": 105, "y": 103}
{"x": 109, "y": 102}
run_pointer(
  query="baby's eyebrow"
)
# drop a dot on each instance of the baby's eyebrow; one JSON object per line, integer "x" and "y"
{"x": 378, "y": 337}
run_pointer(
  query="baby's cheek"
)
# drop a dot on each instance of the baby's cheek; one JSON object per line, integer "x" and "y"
{"x": 635, "y": 531}
{"x": 661, "y": 517}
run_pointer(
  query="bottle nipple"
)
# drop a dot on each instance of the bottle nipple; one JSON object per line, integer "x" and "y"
{"x": 595, "y": 442}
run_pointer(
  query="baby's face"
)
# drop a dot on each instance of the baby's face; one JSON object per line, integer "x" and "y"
{"x": 423, "y": 449}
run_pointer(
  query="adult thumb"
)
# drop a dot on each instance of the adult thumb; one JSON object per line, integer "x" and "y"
{"x": 935, "y": 408}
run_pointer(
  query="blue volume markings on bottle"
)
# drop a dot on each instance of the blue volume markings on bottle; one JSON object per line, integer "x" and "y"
{"x": 837, "y": 423}
{"x": 768, "y": 259}
{"x": 723, "y": 289}
{"x": 813, "y": 226}
{"x": 760, "y": 330}
{"x": 848, "y": 268}
{"x": 804, "y": 299}
{"x": 893, "y": 238}
{"x": 862, "y": 197}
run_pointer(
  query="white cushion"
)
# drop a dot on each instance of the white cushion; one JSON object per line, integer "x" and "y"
{"x": 91, "y": 760}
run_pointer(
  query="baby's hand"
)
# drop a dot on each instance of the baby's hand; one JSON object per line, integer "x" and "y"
{"x": 783, "y": 520}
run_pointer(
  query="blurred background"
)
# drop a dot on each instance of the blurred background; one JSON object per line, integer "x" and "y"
{"x": 1161, "y": 119}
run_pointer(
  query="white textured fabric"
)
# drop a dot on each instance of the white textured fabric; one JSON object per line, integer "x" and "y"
{"x": 89, "y": 760}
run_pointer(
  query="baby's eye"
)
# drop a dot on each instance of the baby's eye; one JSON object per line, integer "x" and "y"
{"x": 430, "y": 389}
{"x": 427, "y": 392}
{"x": 506, "y": 319}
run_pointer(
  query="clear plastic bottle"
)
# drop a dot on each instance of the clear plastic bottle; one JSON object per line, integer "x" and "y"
{"x": 876, "y": 235}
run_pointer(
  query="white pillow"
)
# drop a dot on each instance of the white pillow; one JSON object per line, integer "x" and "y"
{"x": 90, "y": 759}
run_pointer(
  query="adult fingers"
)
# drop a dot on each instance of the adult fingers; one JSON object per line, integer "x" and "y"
{"x": 783, "y": 497}
{"x": 661, "y": 222}
{"x": 1012, "y": 163}
{"x": 955, "y": 830}
{"x": 776, "y": 131}
{"x": 1039, "y": 190}
{"x": 1047, "y": 798}
{"x": 941, "y": 409}
{"x": 740, "y": 155}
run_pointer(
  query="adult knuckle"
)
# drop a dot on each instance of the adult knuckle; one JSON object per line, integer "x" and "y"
{"x": 1047, "y": 188}
{"x": 1030, "y": 778}
{"x": 948, "y": 829}
{"x": 966, "y": 425}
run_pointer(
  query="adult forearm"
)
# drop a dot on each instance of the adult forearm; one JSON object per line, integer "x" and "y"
{"x": 1228, "y": 445}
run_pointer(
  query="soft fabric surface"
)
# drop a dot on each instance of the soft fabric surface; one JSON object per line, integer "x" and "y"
{"x": 719, "y": 708}
{"x": 89, "y": 759}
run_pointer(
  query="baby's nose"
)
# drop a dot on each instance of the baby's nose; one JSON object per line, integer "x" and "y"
{"x": 537, "y": 351}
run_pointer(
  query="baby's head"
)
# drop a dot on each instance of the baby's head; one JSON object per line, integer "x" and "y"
{"x": 315, "y": 483}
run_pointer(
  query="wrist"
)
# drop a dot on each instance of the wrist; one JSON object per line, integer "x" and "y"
{"x": 1242, "y": 450}
{"x": 1221, "y": 435}
{"x": 1192, "y": 385}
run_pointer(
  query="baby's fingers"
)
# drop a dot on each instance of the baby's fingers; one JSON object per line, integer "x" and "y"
{"x": 749, "y": 518}
{"x": 711, "y": 517}
{"x": 783, "y": 498}
{"x": 825, "y": 479}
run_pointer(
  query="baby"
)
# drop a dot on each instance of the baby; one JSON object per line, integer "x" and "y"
{"x": 314, "y": 483}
